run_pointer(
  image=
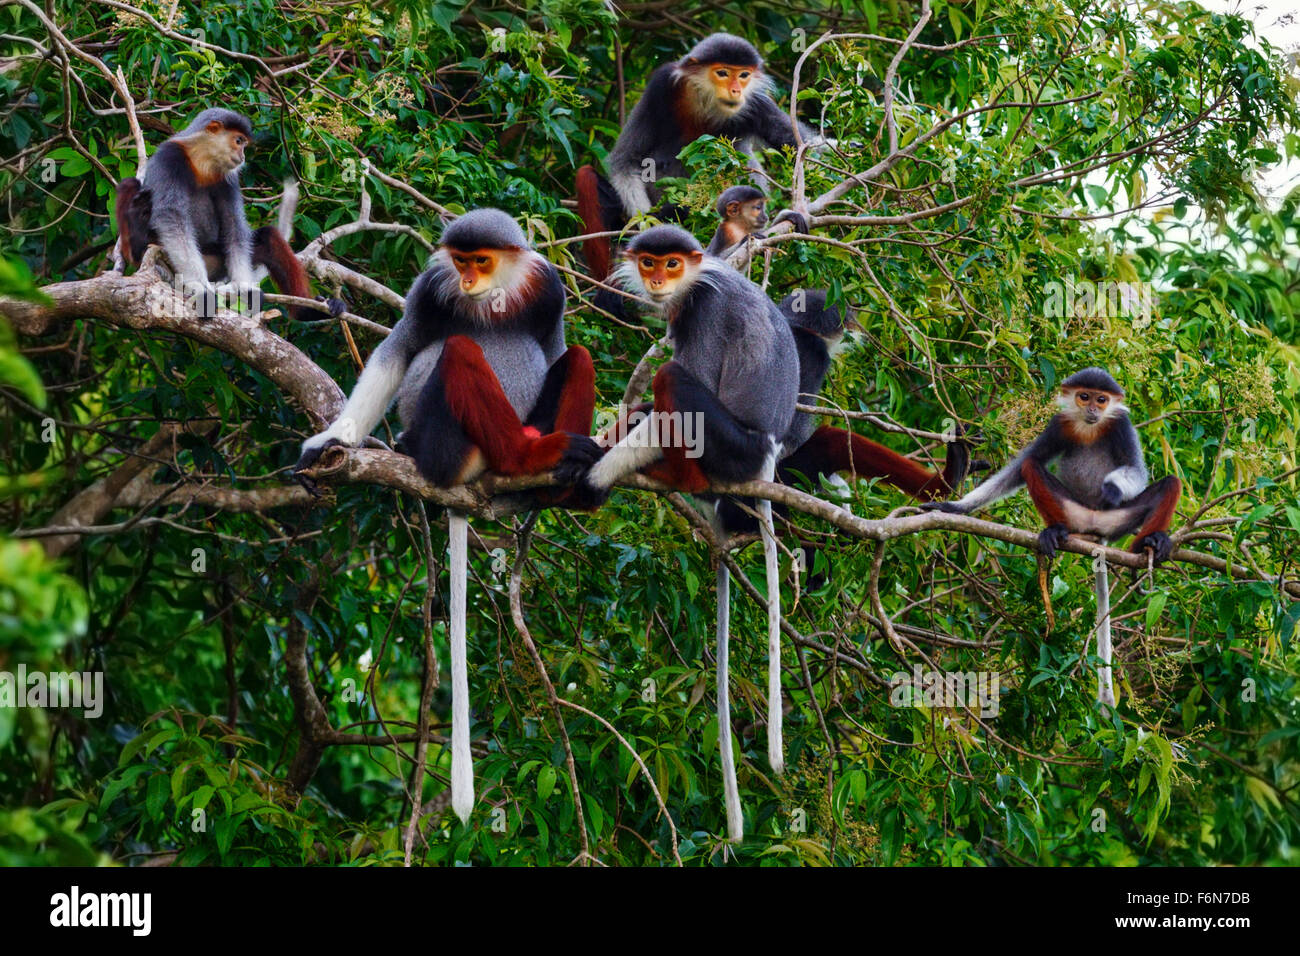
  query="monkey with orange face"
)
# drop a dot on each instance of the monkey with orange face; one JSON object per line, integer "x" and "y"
{"x": 190, "y": 204}
{"x": 478, "y": 364}
{"x": 1100, "y": 486}
{"x": 483, "y": 383}
{"x": 720, "y": 89}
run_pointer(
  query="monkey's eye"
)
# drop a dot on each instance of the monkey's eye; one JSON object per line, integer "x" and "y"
{"x": 647, "y": 264}
{"x": 720, "y": 74}
{"x": 744, "y": 74}
{"x": 1101, "y": 399}
{"x": 482, "y": 262}
{"x": 673, "y": 263}
{"x": 1083, "y": 397}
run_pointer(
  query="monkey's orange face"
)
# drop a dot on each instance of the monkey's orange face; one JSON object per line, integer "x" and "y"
{"x": 215, "y": 153}
{"x": 1091, "y": 406}
{"x": 226, "y": 146}
{"x": 730, "y": 84}
{"x": 755, "y": 213}
{"x": 478, "y": 270}
{"x": 663, "y": 275}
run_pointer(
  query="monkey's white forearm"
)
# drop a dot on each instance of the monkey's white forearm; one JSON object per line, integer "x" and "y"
{"x": 640, "y": 447}
{"x": 374, "y": 392}
{"x": 1004, "y": 483}
{"x": 631, "y": 190}
{"x": 239, "y": 265}
{"x": 1130, "y": 480}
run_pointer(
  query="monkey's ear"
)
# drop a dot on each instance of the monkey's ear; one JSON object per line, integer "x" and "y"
{"x": 733, "y": 210}
{"x": 213, "y": 127}
{"x": 694, "y": 257}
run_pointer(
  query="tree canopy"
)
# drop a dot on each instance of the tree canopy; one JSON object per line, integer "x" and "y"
{"x": 1015, "y": 191}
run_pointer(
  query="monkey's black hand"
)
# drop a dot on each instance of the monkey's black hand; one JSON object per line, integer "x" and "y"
{"x": 947, "y": 507}
{"x": 575, "y": 468}
{"x": 582, "y": 453}
{"x": 336, "y": 306}
{"x": 1159, "y": 543}
{"x": 795, "y": 219}
{"x": 1111, "y": 496}
{"x": 1051, "y": 538}
{"x": 308, "y": 458}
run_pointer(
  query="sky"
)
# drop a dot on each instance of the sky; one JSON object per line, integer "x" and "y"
{"x": 1277, "y": 21}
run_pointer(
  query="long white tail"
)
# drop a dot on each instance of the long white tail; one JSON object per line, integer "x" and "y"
{"x": 730, "y": 791}
{"x": 1101, "y": 584}
{"x": 462, "y": 763}
{"x": 775, "y": 712}
{"x": 288, "y": 209}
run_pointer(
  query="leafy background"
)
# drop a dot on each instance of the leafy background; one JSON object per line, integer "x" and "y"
{"x": 1100, "y": 142}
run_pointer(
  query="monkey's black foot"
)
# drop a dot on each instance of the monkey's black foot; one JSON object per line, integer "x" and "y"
{"x": 399, "y": 445}
{"x": 978, "y": 465}
{"x": 1052, "y": 538}
{"x": 336, "y": 306}
{"x": 308, "y": 458}
{"x": 1158, "y": 542}
{"x": 575, "y": 469}
{"x": 587, "y": 496}
{"x": 947, "y": 507}
{"x": 795, "y": 219}
{"x": 582, "y": 453}
{"x": 1111, "y": 496}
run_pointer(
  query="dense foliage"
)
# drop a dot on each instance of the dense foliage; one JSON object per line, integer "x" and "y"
{"x": 1028, "y": 148}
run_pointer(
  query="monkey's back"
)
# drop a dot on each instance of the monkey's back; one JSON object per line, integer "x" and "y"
{"x": 732, "y": 337}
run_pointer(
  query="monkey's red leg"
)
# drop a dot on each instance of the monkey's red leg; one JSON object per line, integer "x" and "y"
{"x": 832, "y": 450}
{"x": 1048, "y": 494}
{"x": 286, "y": 272}
{"x": 675, "y": 468}
{"x": 597, "y": 252}
{"x": 567, "y": 404}
{"x": 475, "y": 400}
{"x": 1154, "y": 532}
{"x": 1060, "y": 512}
{"x": 568, "y": 399}
{"x": 127, "y": 190}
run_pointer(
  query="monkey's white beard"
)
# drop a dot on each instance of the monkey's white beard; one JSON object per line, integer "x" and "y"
{"x": 511, "y": 285}
{"x": 709, "y": 271}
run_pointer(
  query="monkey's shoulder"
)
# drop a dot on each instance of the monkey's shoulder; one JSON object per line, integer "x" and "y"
{"x": 652, "y": 125}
